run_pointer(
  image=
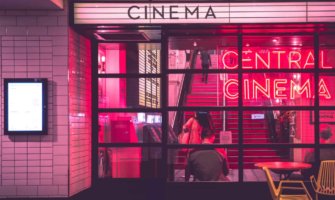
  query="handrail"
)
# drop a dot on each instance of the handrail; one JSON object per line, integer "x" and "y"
{"x": 178, "y": 121}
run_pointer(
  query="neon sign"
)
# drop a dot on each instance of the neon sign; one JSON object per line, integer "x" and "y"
{"x": 274, "y": 88}
{"x": 272, "y": 59}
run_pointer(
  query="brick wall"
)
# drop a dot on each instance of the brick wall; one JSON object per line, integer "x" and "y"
{"x": 80, "y": 112}
{"x": 34, "y": 44}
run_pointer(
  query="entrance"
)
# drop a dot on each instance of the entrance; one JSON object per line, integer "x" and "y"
{"x": 258, "y": 91}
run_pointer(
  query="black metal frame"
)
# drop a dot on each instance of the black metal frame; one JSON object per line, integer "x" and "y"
{"x": 44, "y": 82}
{"x": 165, "y": 35}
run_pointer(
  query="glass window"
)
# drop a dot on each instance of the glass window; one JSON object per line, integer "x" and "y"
{"x": 255, "y": 158}
{"x": 277, "y": 126}
{"x": 327, "y": 89}
{"x": 327, "y": 126}
{"x": 218, "y": 164}
{"x": 278, "y": 52}
{"x": 136, "y": 58}
{"x": 202, "y": 52}
{"x": 129, "y": 162}
{"x": 327, "y": 52}
{"x": 278, "y": 89}
{"x": 141, "y": 127}
{"x": 203, "y": 90}
{"x": 222, "y": 124}
{"x": 129, "y": 92}
{"x": 327, "y": 153}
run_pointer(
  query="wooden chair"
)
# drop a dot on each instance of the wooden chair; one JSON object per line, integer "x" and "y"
{"x": 325, "y": 184}
{"x": 287, "y": 185}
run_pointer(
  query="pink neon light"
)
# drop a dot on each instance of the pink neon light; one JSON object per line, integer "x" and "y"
{"x": 323, "y": 89}
{"x": 322, "y": 64}
{"x": 258, "y": 87}
{"x": 279, "y": 88}
{"x": 225, "y": 63}
{"x": 227, "y": 92}
{"x": 295, "y": 88}
{"x": 260, "y": 58}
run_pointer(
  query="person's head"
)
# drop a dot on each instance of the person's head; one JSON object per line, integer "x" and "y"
{"x": 202, "y": 118}
{"x": 207, "y": 136}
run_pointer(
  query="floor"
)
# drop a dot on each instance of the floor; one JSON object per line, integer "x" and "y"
{"x": 249, "y": 175}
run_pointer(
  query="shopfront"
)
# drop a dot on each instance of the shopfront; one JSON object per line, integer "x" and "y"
{"x": 268, "y": 89}
{"x": 261, "y": 74}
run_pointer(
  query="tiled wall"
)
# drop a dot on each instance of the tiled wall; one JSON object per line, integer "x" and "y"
{"x": 80, "y": 112}
{"x": 34, "y": 44}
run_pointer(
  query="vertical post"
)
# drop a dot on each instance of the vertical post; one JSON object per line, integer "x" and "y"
{"x": 165, "y": 119}
{"x": 94, "y": 54}
{"x": 240, "y": 111}
{"x": 316, "y": 99}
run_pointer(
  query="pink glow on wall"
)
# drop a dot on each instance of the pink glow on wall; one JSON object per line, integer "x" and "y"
{"x": 80, "y": 112}
{"x": 115, "y": 94}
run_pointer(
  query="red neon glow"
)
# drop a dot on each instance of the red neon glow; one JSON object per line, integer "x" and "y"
{"x": 228, "y": 84}
{"x": 259, "y": 58}
{"x": 323, "y": 90}
{"x": 281, "y": 89}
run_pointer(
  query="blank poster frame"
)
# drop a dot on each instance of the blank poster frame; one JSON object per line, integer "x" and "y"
{"x": 43, "y": 126}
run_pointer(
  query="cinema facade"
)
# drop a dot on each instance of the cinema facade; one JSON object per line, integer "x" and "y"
{"x": 123, "y": 77}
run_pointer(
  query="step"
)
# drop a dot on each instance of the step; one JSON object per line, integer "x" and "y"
{"x": 247, "y": 153}
{"x": 247, "y": 126}
{"x": 256, "y": 159}
{"x": 253, "y": 141}
{"x": 196, "y": 100}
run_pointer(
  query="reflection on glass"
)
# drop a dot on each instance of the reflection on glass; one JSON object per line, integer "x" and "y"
{"x": 217, "y": 164}
{"x": 255, "y": 158}
{"x": 129, "y": 162}
{"x": 137, "y": 58}
{"x": 278, "y": 89}
{"x": 129, "y": 92}
{"x": 277, "y": 126}
{"x": 195, "y": 90}
{"x": 130, "y": 128}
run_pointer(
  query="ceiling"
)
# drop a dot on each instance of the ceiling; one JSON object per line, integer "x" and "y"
{"x": 32, "y": 4}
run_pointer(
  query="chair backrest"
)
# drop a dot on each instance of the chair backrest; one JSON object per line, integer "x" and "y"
{"x": 272, "y": 187}
{"x": 326, "y": 177}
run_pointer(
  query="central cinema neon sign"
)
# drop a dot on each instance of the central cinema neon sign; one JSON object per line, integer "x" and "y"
{"x": 273, "y": 59}
{"x": 274, "y": 88}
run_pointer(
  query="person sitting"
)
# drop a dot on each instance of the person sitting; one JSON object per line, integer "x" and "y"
{"x": 207, "y": 164}
{"x": 195, "y": 126}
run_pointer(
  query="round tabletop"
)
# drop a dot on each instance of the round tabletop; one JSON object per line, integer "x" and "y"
{"x": 284, "y": 165}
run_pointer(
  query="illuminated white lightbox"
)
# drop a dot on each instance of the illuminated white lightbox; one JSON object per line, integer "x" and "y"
{"x": 25, "y": 106}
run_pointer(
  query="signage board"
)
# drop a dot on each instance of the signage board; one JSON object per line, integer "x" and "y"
{"x": 25, "y": 106}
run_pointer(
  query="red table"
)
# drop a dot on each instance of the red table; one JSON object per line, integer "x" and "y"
{"x": 284, "y": 168}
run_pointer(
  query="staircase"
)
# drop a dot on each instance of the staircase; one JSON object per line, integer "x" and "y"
{"x": 255, "y": 131}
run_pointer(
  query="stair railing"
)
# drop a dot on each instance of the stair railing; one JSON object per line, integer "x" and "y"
{"x": 179, "y": 117}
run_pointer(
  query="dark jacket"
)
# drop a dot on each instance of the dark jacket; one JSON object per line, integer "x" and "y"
{"x": 206, "y": 165}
